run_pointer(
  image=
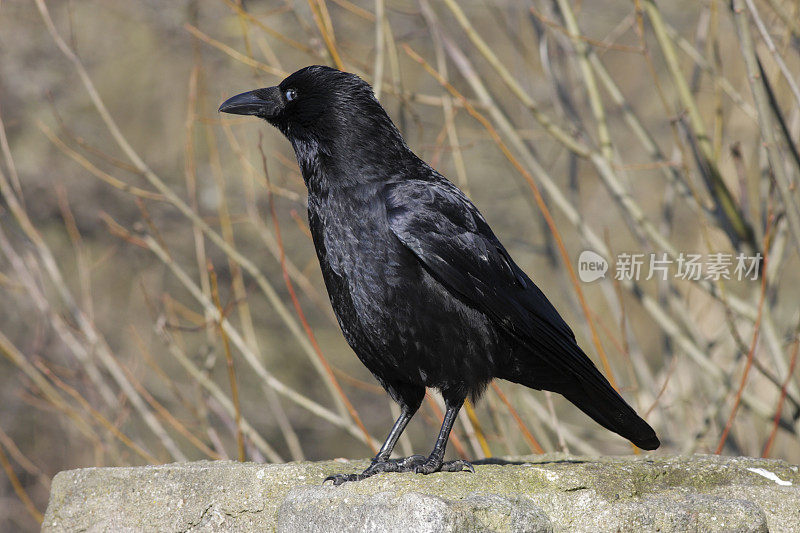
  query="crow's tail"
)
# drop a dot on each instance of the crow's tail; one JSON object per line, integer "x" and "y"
{"x": 573, "y": 375}
{"x": 608, "y": 409}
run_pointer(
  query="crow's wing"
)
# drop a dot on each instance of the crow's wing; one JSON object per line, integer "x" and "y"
{"x": 445, "y": 231}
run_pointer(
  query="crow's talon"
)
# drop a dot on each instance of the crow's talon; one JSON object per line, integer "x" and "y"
{"x": 425, "y": 468}
{"x": 338, "y": 479}
{"x": 457, "y": 466}
{"x": 412, "y": 461}
{"x": 389, "y": 465}
{"x": 430, "y": 466}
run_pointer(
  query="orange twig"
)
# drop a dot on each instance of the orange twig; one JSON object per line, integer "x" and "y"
{"x": 19, "y": 489}
{"x": 525, "y": 432}
{"x": 318, "y": 10}
{"x": 594, "y": 42}
{"x": 166, "y": 415}
{"x": 291, "y": 42}
{"x": 751, "y": 353}
{"x": 476, "y": 425}
{"x": 359, "y": 384}
{"x": 19, "y": 457}
{"x": 97, "y": 415}
{"x": 118, "y": 231}
{"x": 92, "y": 169}
{"x": 356, "y": 10}
{"x": 235, "y": 54}
{"x": 776, "y": 420}
{"x": 300, "y": 224}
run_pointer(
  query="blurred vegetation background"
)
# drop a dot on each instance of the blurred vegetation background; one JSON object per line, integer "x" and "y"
{"x": 161, "y": 299}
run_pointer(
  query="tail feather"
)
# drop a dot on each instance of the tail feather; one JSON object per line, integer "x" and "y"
{"x": 584, "y": 385}
{"x": 608, "y": 409}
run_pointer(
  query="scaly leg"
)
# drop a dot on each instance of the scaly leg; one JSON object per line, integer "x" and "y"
{"x": 416, "y": 463}
{"x": 434, "y": 462}
{"x": 381, "y": 462}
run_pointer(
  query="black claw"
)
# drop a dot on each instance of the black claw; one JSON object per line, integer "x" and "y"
{"x": 457, "y": 466}
{"x": 390, "y": 465}
{"x": 338, "y": 479}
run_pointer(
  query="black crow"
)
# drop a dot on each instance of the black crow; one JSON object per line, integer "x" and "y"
{"x": 424, "y": 292}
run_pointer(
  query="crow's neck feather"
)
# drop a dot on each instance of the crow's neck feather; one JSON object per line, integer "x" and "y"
{"x": 353, "y": 151}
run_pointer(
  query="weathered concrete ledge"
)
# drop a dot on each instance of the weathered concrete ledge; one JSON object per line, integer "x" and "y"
{"x": 535, "y": 493}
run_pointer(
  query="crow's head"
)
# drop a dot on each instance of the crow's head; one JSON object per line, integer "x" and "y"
{"x": 316, "y": 104}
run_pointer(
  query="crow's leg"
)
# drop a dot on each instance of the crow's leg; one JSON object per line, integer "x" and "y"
{"x": 381, "y": 462}
{"x": 434, "y": 462}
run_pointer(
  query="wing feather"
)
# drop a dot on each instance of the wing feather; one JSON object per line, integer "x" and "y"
{"x": 447, "y": 233}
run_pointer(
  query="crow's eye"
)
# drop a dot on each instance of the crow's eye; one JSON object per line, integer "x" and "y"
{"x": 290, "y": 94}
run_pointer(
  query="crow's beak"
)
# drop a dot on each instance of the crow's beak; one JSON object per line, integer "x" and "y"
{"x": 264, "y": 103}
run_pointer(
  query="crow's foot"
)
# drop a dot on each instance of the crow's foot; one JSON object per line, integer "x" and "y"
{"x": 338, "y": 479}
{"x": 428, "y": 465}
{"x": 416, "y": 463}
{"x": 390, "y": 465}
